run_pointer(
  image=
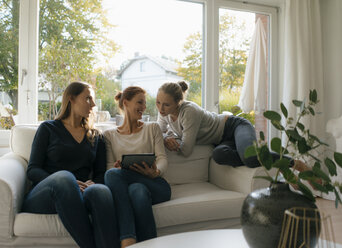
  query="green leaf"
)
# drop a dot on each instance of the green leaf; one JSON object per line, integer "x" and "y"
{"x": 319, "y": 186}
{"x": 338, "y": 199}
{"x": 272, "y": 115}
{"x": 297, "y": 103}
{"x": 306, "y": 175}
{"x": 276, "y": 145}
{"x": 331, "y": 166}
{"x": 313, "y": 96}
{"x": 329, "y": 187}
{"x": 288, "y": 175}
{"x": 311, "y": 136}
{"x": 282, "y": 164}
{"x": 250, "y": 151}
{"x": 312, "y": 111}
{"x": 338, "y": 158}
{"x": 300, "y": 126}
{"x": 283, "y": 110}
{"x": 262, "y": 135}
{"x": 320, "y": 174}
{"x": 277, "y": 125}
{"x": 303, "y": 147}
{"x": 265, "y": 157}
{"x": 306, "y": 191}
{"x": 293, "y": 134}
{"x": 268, "y": 178}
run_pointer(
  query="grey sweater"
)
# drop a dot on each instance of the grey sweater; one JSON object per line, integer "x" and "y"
{"x": 194, "y": 125}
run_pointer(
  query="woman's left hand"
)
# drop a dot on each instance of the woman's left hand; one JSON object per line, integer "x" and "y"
{"x": 144, "y": 169}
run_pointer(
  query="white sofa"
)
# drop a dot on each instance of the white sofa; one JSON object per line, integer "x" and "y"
{"x": 205, "y": 195}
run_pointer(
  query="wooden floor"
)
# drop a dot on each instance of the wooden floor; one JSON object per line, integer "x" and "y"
{"x": 328, "y": 208}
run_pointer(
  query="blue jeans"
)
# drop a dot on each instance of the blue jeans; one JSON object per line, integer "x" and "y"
{"x": 59, "y": 193}
{"x": 238, "y": 134}
{"x": 134, "y": 194}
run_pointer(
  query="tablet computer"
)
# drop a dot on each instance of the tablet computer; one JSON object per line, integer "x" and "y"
{"x": 130, "y": 159}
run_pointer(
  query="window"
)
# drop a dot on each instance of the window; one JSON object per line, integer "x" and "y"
{"x": 9, "y": 40}
{"x": 108, "y": 62}
{"x": 236, "y": 29}
{"x": 106, "y": 46}
{"x": 142, "y": 66}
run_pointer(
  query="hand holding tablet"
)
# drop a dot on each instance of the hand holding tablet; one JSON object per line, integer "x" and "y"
{"x": 130, "y": 159}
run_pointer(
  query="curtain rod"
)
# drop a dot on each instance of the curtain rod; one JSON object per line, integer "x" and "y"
{"x": 261, "y": 5}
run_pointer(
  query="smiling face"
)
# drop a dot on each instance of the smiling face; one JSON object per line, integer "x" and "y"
{"x": 135, "y": 107}
{"x": 166, "y": 104}
{"x": 82, "y": 104}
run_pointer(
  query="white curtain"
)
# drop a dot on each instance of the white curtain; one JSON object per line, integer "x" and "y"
{"x": 303, "y": 58}
{"x": 254, "y": 93}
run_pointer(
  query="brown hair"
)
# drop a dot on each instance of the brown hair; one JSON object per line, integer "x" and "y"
{"x": 70, "y": 92}
{"x": 128, "y": 94}
{"x": 176, "y": 90}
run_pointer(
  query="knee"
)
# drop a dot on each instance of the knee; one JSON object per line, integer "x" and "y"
{"x": 217, "y": 155}
{"x": 63, "y": 179}
{"x": 111, "y": 175}
{"x": 251, "y": 162}
{"x": 97, "y": 193}
{"x": 139, "y": 193}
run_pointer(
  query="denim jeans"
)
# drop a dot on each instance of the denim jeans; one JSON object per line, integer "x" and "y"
{"x": 59, "y": 193}
{"x": 238, "y": 134}
{"x": 134, "y": 194}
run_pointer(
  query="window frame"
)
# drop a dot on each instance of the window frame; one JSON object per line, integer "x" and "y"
{"x": 28, "y": 55}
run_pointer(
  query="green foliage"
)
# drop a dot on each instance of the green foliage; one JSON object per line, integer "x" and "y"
{"x": 232, "y": 60}
{"x": 9, "y": 40}
{"x": 151, "y": 107}
{"x": 72, "y": 35}
{"x": 106, "y": 90}
{"x": 304, "y": 145}
{"x": 228, "y": 102}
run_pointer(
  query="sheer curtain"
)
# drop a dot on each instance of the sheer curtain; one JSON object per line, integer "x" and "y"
{"x": 303, "y": 57}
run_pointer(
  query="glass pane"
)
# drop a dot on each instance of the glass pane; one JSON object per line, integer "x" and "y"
{"x": 9, "y": 40}
{"x": 114, "y": 44}
{"x": 235, "y": 36}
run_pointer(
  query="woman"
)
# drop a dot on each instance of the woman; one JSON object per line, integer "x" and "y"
{"x": 185, "y": 124}
{"x": 67, "y": 166}
{"x": 136, "y": 189}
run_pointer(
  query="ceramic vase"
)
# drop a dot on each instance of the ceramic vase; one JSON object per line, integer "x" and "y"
{"x": 263, "y": 212}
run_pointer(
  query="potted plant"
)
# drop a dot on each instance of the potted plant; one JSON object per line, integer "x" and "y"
{"x": 263, "y": 210}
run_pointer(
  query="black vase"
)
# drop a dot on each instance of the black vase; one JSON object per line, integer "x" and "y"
{"x": 263, "y": 212}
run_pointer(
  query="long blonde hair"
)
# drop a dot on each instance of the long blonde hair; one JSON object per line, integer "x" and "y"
{"x": 70, "y": 92}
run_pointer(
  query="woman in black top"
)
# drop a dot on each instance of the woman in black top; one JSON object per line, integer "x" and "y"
{"x": 67, "y": 166}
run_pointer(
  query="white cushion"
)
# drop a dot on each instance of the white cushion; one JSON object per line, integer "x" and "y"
{"x": 190, "y": 203}
{"x": 197, "y": 202}
{"x": 192, "y": 169}
{"x": 39, "y": 225}
{"x": 22, "y": 138}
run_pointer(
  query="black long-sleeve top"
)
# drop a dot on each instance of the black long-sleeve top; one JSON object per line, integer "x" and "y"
{"x": 55, "y": 149}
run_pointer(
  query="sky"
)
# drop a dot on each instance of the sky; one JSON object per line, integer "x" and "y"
{"x": 152, "y": 27}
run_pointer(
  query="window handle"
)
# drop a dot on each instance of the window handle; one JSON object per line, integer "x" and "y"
{"x": 23, "y": 74}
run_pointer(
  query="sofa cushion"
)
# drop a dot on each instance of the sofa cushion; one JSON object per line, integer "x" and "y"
{"x": 39, "y": 225}
{"x": 198, "y": 202}
{"x": 192, "y": 169}
{"x": 21, "y": 139}
{"x": 190, "y": 203}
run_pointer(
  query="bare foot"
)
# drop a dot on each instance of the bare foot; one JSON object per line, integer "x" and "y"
{"x": 301, "y": 166}
{"x": 127, "y": 242}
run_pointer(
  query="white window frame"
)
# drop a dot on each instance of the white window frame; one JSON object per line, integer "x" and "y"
{"x": 28, "y": 55}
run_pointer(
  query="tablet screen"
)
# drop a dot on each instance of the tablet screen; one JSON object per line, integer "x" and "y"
{"x": 130, "y": 159}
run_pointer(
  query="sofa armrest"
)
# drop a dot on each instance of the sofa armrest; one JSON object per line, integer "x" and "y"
{"x": 12, "y": 187}
{"x": 240, "y": 179}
